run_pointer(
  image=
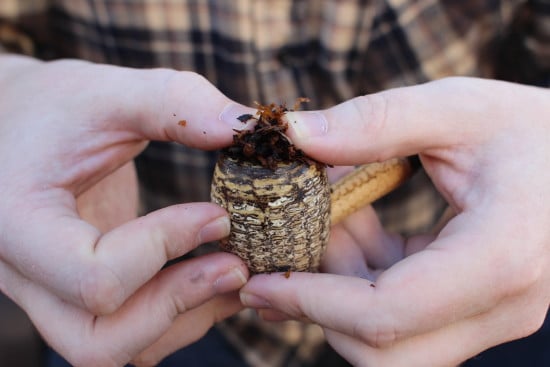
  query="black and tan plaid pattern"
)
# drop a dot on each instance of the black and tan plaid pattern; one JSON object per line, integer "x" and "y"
{"x": 276, "y": 51}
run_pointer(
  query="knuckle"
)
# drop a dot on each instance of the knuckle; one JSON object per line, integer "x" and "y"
{"x": 377, "y": 335}
{"x": 175, "y": 89}
{"x": 532, "y": 319}
{"x": 185, "y": 82}
{"x": 194, "y": 78}
{"x": 517, "y": 277}
{"x": 371, "y": 111}
{"x": 101, "y": 291}
{"x": 530, "y": 276}
{"x": 534, "y": 322}
{"x": 535, "y": 313}
{"x": 372, "y": 117}
{"x": 179, "y": 305}
{"x": 529, "y": 327}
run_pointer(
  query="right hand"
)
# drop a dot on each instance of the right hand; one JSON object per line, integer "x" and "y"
{"x": 431, "y": 299}
{"x": 98, "y": 294}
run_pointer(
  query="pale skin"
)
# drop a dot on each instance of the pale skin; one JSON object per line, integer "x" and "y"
{"x": 435, "y": 299}
{"x": 90, "y": 275}
{"x": 73, "y": 254}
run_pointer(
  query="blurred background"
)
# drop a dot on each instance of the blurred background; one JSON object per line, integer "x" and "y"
{"x": 20, "y": 344}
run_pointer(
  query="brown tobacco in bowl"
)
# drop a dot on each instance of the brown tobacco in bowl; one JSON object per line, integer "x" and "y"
{"x": 277, "y": 197}
{"x": 267, "y": 145}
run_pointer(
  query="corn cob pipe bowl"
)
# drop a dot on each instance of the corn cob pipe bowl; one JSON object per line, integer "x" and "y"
{"x": 279, "y": 200}
{"x": 279, "y": 218}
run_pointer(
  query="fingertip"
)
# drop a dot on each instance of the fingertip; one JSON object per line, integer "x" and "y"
{"x": 306, "y": 125}
{"x": 344, "y": 256}
{"x": 214, "y": 230}
{"x": 253, "y": 300}
{"x": 316, "y": 133}
{"x": 232, "y": 116}
{"x": 184, "y": 107}
{"x": 231, "y": 280}
{"x": 266, "y": 290}
{"x": 375, "y": 127}
{"x": 101, "y": 290}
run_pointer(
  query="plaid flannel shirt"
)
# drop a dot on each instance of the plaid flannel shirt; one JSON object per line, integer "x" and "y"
{"x": 276, "y": 51}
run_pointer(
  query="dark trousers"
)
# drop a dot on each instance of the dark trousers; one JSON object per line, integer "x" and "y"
{"x": 213, "y": 350}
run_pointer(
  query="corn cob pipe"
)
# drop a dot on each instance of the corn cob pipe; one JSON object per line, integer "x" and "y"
{"x": 367, "y": 184}
{"x": 281, "y": 218}
{"x": 280, "y": 203}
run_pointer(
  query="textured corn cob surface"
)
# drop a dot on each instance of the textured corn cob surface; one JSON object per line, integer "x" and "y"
{"x": 280, "y": 219}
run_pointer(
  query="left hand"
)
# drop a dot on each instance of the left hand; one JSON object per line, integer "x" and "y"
{"x": 112, "y": 202}
{"x": 431, "y": 300}
{"x": 90, "y": 275}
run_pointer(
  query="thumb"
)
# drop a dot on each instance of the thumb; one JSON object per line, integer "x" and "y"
{"x": 156, "y": 104}
{"x": 185, "y": 107}
{"x": 399, "y": 122}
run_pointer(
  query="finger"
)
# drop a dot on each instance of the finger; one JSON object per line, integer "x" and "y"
{"x": 189, "y": 327}
{"x": 450, "y": 345}
{"x": 108, "y": 115}
{"x": 121, "y": 185}
{"x": 274, "y": 315}
{"x": 324, "y": 292}
{"x": 380, "y": 248}
{"x": 418, "y": 243}
{"x": 364, "y": 311}
{"x": 410, "y": 298}
{"x": 343, "y": 256}
{"x": 114, "y": 339}
{"x": 403, "y": 121}
{"x": 99, "y": 271}
{"x": 164, "y": 104}
{"x": 337, "y": 172}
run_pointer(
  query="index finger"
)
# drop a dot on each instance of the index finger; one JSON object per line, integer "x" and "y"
{"x": 100, "y": 271}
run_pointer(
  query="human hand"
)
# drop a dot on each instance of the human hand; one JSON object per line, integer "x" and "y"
{"x": 112, "y": 201}
{"x": 90, "y": 277}
{"x": 431, "y": 300}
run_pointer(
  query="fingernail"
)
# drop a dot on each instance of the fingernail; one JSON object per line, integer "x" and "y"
{"x": 218, "y": 228}
{"x": 254, "y": 301}
{"x": 232, "y": 111}
{"x": 307, "y": 124}
{"x": 230, "y": 281}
